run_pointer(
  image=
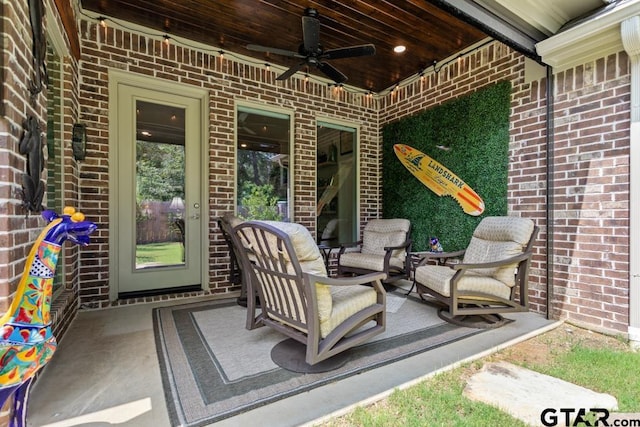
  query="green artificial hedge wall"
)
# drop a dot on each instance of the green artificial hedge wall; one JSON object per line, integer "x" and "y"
{"x": 475, "y": 128}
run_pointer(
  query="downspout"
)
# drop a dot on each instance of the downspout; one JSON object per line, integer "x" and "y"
{"x": 550, "y": 190}
{"x": 630, "y": 33}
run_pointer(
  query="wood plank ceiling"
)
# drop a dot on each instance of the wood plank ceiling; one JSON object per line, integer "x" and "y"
{"x": 429, "y": 33}
{"x": 431, "y": 30}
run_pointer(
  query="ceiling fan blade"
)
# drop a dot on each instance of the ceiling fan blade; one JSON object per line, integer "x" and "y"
{"x": 248, "y": 130}
{"x": 290, "y": 72}
{"x": 310, "y": 33}
{"x": 332, "y": 72}
{"x": 274, "y": 50}
{"x": 350, "y": 52}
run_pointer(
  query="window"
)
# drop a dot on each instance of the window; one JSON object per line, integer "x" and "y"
{"x": 263, "y": 164}
{"x": 337, "y": 209}
{"x": 54, "y": 199}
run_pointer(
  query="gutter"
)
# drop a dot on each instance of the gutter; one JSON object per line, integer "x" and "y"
{"x": 550, "y": 190}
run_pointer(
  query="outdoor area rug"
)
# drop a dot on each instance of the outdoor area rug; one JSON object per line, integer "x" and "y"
{"x": 213, "y": 368}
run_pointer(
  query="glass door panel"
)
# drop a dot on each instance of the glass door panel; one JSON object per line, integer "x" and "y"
{"x": 336, "y": 208}
{"x": 263, "y": 164}
{"x": 160, "y": 185}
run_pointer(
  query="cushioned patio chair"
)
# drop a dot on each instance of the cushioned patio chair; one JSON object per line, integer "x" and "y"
{"x": 235, "y": 272}
{"x": 322, "y": 316}
{"x": 385, "y": 247}
{"x": 240, "y": 275}
{"x": 493, "y": 267}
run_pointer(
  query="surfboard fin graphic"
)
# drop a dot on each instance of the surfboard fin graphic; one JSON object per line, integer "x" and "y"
{"x": 439, "y": 179}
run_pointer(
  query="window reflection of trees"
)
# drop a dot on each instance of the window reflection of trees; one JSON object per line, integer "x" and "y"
{"x": 160, "y": 181}
{"x": 262, "y": 165}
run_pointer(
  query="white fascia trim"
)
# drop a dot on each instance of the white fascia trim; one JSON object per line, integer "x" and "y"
{"x": 592, "y": 39}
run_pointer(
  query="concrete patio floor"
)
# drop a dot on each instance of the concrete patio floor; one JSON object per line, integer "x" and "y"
{"x": 106, "y": 372}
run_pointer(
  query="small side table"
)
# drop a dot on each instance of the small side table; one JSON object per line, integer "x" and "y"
{"x": 325, "y": 250}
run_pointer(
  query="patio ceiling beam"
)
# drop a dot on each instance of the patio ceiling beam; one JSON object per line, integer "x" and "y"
{"x": 498, "y": 27}
{"x": 71, "y": 28}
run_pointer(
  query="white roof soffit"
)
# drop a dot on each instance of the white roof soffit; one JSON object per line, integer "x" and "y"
{"x": 593, "y": 38}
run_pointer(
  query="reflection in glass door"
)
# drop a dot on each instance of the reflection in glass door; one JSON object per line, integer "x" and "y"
{"x": 336, "y": 209}
{"x": 160, "y": 189}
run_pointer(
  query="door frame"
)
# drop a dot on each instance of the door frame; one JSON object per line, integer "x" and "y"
{"x": 117, "y": 78}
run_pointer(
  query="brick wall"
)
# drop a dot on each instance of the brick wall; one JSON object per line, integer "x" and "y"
{"x": 227, "y": 80}
{"x": 591, "y": 152}
{"x": 591, "y": 180}
{"x": 18, "y": 230}
{"x": 592, "y": 148}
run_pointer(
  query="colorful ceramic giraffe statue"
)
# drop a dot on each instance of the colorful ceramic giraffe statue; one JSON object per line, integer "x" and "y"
{"x": 26, "y": 340}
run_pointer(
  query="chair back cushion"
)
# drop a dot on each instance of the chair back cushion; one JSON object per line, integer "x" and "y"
{"x": 308, "y": 257}
{"x": 497, "y": 238}
{"x": 304, "y": 245}
{"x": 381, "y": 233}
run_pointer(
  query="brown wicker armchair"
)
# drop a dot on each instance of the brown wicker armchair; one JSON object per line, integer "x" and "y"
{"x": 322, "y": 316}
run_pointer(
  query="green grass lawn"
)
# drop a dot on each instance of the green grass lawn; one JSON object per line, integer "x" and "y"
{"x": 603, "y": 370}
{"x": 169, "y": 253}
{"x": 598, "y": 362}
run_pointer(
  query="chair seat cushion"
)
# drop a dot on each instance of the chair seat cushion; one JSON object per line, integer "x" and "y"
{"x": 347, "y": 301}
{"x": 371, "y": 262}
{"x": 437, "y": 278}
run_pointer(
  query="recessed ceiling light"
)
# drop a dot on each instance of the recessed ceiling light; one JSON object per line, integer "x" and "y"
{"x": 145, "y": 133}
{"x": 399, "y": 49}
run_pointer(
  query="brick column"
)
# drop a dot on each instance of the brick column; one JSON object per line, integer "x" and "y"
{"x": 630, "y": 32}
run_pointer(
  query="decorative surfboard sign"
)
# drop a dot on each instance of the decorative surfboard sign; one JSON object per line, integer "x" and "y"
{"x": 439, "y": 179}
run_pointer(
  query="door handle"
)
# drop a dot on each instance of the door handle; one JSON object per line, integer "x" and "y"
{"x": 196, "y": 215}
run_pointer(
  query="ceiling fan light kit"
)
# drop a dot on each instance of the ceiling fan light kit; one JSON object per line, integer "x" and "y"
{"x": 312, "y": 53}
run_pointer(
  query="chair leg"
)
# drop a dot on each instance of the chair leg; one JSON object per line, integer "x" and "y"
{"x": 479, "y": 321}
{"x": 413, "y": 286}
{"x": 253, "y": 320}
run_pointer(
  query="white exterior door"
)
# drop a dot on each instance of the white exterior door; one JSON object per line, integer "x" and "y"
{"x": 157, "y": 191}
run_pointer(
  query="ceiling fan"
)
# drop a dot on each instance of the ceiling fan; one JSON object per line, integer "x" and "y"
{"x": 312, "y": 53}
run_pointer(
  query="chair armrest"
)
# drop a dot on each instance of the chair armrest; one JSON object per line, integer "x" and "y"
{"x": 442, "y": 257}
{"x": 406, "y": 244}
{"x": 514, "y": 259}
{"x": 344, "y": 246}
{"x": 372, "y": 278}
